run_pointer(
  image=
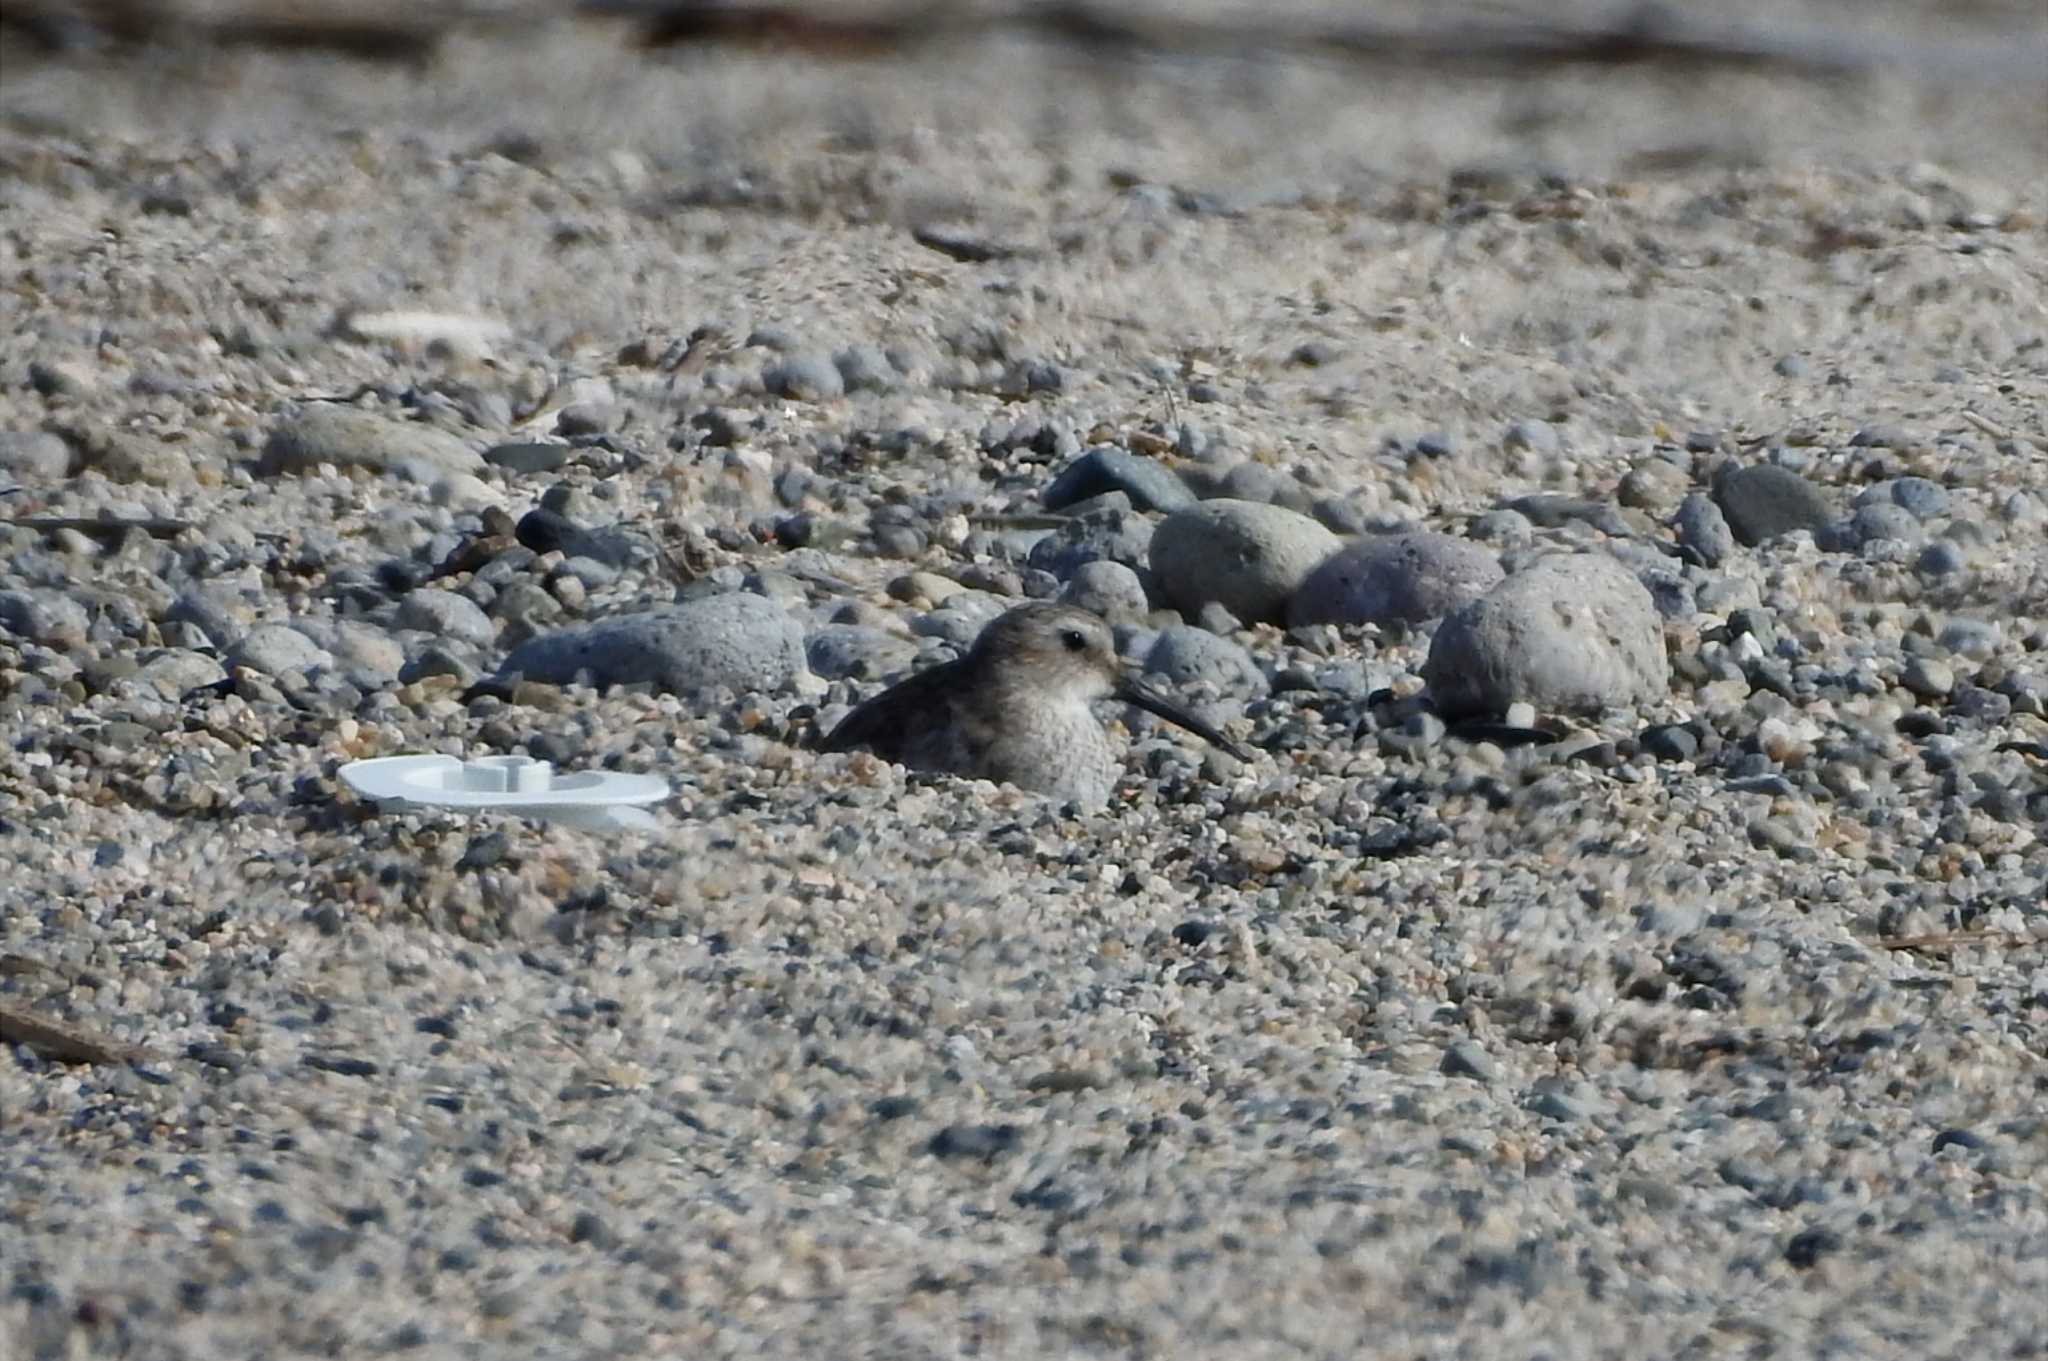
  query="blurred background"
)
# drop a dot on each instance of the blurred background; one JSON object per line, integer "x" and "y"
{"x": 594, "y": 172}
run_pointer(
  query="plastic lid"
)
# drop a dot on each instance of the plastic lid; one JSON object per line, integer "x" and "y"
{"x": 595, "y": 799}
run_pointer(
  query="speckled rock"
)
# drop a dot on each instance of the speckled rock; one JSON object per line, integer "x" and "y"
{"x": 1703, "y": 531}
{"x": 278, "y": 650}
{"x": 354, "y": 645}
{"x": 43, "y": 616}
{"x": 1109, "y": 589}
{"x": 858, "y": 651}
{"x": 1107, "y": 535}
{"x": 1765, "y": 501}
{"x": 1404, "y": 578}
{"x": 345, "y": 436}
{"x": 1655, "y": 485}
{"x": 1569, "y": 634}
{"x": 447, "y": 614}
{"x": 1249, "y": 558}
{"x": 175, "y": 671}
{"x": 32, "y": 456}
{"x": 739, "y": 640}
{"x": 1186, "y": 655}
{"x": 1919, "y": 497}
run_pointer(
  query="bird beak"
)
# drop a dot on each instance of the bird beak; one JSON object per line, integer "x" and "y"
{"x": 1136, "y": 693}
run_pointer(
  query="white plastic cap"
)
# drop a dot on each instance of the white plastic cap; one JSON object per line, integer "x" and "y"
{"x": 599, "y": 800}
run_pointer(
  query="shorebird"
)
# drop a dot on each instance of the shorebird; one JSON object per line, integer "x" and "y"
{"x": 1016, "y": 710}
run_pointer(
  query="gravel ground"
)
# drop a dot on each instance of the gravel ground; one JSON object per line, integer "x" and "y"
{"x": 1628, "y": 938}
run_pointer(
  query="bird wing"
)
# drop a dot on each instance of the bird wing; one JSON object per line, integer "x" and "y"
{"x": 888, "y": 723}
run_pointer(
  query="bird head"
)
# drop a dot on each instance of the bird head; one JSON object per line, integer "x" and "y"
{"x": 1068, "y": 653}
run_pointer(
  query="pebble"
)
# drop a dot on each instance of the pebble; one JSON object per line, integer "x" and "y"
{"x": 1506, "y": 527}
{"x": 447, "y": 615}
{"x": 1246, "y": 481}
{"x": 982, "y": 1142}
{"x": 1149, "y": 484}
{"x": 1193, "y": 656}
{"x": 1339, "y": 514}
{"x": 1248, "y": 557}
{"x": 1881, "y": 437}
{"x": 737, "y": 641}
{"x": 858, "y": 652}
{"x": 1655, "y": 485}
{"x": 1408, "y": 578}
{"x": 1466, "y": 1059}
{"x": 582, "y": 419}
{"x": 1763, "y": 502}
{"x": 357, "y": 646}
{"x": 804, "y": 378}
{"x": 1537, "y": 437}
{"x": 1671, "y": 742}
{"x": 527, "y": 457}
{"x": 1921, "y": 498}
{"x": 324, "y": 432}
{"x": 1109, "y": 589}
{"x": 1107, "y": 535}
{"x": 1942, "y": 558}
{"x": 1570, "y": 634}
{"x": 278, "y": 650}
{"x": 61, "y": 378}
{"x": 33, "y": 456}
{"x": 1881, "y": 520}
{"x": 865, "y": 368}
{"x": 44, "y": 616}
{"x": 1977, "y": 639}
{"x": 1928, "y": 678}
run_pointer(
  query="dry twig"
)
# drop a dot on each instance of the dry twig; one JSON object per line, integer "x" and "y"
{"x": 62, "y": 1040}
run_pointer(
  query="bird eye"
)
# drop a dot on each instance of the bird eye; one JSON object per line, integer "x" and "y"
{"x": 1074, "y": 640}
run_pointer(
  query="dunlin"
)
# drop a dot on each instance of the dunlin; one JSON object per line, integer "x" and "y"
{"x": 1016, "y": 709}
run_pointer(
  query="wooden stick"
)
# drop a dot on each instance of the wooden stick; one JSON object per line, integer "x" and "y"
{"x": 62, "y": 1040}
{"x": 1949, "y": 940}
{"x": 154, "y": 526}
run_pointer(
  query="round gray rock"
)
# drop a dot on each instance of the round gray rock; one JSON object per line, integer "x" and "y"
{"x": 837, "y": 651}
{"x": 174, "y": 671}
{"x": 1704, "y": 530}
{"x": 278, "y": 650}
{"x": 34, "y": 455}
{"x": 1884, "y": 520}
{"x": 1404, "y": 578}
{"x": 347, "y": 437}
{"x": 448, "y": 615}
{"x": 1189, "y": 656}
{"x": 1247, "y": 557}
{"x": 1102, "y": 536}
{"x": 1654, "y": 484}
{"x": 1766, "y": 501}
{"x": 358, "y": 647}
{"x": 221, "y": 617}
{"x": 1109, "y": 589}
{"x": 1923, "y": 499}
{"x": 739, "y": 641}
{"x": 45, "y": 617}
{"x": 1569, "y": 634}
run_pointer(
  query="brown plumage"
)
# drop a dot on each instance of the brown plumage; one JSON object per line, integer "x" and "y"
{"x": 1016, "y": 709}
